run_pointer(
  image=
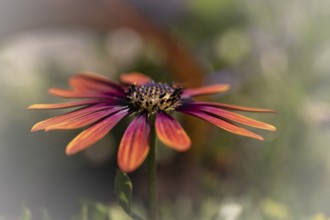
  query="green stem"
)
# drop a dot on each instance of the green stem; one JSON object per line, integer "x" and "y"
{"x": 152, "y": 176}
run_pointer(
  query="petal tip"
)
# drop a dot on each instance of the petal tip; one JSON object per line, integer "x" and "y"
{"x": 50, "y": 90}
{"x": 69, "y": 151}
{"x": 36, "y": 127}
{"x": 253, "y": 135}
{"x": 35, "y": 107}
{"x": 128, "y": 166}
{"x": 131, "y": 162}
{"x": 184, "y": 147}
{"x": 260, "y": 138}
{"x": 272, "y": 128}
{"x": 126, "y": 169}
{"x": 226, "y": 87}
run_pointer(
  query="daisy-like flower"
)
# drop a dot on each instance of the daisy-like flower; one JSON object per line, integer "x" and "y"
{"x": 104, "y": 103}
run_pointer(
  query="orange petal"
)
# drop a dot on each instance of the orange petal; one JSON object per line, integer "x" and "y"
{"x": 223, "y": 124}
{"x": 83, "y": 120}
{"x": 93, "y": 82}
{"x": 170, "y": 132}
{"x": 237, "y": 118}
{"x": 94, "y": 133}
{"x": 235, "y": 107}
{"x": 79, "y": 94}
{"x": 62, "y": 105}
{"x": 134, "y": 78}
{"x": 206, "y": 90}
{"x": 134, "y": 145}
{"x": 67, "y": 117}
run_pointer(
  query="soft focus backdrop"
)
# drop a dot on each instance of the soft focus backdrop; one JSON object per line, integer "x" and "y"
{"x": 275, "y": 54}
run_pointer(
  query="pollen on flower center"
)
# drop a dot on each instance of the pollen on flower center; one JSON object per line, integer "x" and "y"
{"x": 153, "y": 97}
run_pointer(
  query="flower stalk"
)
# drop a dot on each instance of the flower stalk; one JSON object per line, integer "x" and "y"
{"x": 152, "y": 175}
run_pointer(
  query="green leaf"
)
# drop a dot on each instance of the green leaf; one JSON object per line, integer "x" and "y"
{"x": 123, "y": 191}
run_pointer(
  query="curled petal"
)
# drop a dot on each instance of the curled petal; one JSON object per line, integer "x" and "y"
{"x": 68, "y": 116}
{"x": 93, "y": 82}
{"x": 235, "y": 107}
{"x": 206, "y": 90}
{"x": 237, "y": 118}
{"x": 170, "y": 132}
{"x": 223, "y": 124}
{"x": 94, "y": 133}
{"x": 134, "y": 145}
{"x": 134, "y": 78}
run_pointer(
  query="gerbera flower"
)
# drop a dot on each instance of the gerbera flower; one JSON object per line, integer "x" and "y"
{"x": 106, "y": 102}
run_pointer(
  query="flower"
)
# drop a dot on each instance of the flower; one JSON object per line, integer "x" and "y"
{"x": 106, "y": 102}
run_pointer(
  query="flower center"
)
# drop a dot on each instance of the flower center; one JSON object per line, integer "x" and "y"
{"x": 153, "y": 97}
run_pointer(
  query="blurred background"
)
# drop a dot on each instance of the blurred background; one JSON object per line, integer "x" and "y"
{"x": 275, "y": 54}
